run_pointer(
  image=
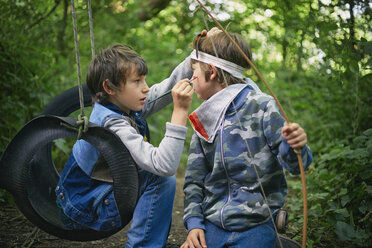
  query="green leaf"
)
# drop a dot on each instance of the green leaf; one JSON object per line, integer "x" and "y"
{"x": 369, "y": 148}
{"x": 320, "y": 196}
{"x": 369, "y": 189}
{"x": 367, "y": 47}
{"x": 356, "y": 154}
{"x": 61, "y": 144}
{"x": 342, "y": 192}
{"x": 368, "y": 132}
{"x": 342, "y": 213}
{"x": 345, "y": 200}
{"x": 360, "y": 139}
{"x": 344, "y": 231}
{"x": 366, "y": 175}
{"x": 363, "y": 208}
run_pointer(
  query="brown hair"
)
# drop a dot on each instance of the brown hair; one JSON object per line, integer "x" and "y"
{"x": 113, "y": 64}
{"x": 219, "y": 43}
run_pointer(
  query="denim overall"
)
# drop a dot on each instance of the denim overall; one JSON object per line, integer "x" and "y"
{"x": 86, "y": 202}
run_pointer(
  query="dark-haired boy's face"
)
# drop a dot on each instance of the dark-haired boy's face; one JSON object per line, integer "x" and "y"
{"x": 132, "y": 94}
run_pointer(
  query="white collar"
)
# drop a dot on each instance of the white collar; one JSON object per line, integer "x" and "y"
{"x": 207, "y": 118}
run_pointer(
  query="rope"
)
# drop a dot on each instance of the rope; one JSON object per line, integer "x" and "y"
{"x": 82, "y": 121}
{"x": 91, "y": 28}
{"x": 298, "y": 152}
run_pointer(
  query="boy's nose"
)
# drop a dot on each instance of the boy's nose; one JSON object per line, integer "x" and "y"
{"x": 146, "y": 88}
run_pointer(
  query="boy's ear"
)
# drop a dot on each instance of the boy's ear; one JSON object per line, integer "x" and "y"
{"x": 212, "y": 72}
{"x": 107, "y": 88}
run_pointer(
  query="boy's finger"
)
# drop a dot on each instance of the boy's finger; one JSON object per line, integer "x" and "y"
{"x": 188, "y": 88}
{"x": 291, "y": 130}
{"x": 292, "y": 134}
{"x": 188, "y": 244}
{"x": 186, "y": 91}
{"x": 293, "y": 126}
{"x": 195, "y": 243}
{"x": 298, "y": 142}
{"x": 190, "y": 92}
{"x": 180, "y": 85}
{"x": 298, "y": 138}
{"x": 202, "y": 240}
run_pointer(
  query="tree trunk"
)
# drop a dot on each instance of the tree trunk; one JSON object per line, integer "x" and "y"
{"x": 61, "y": 32}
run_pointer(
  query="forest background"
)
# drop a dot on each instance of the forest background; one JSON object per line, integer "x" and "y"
{"x": 315, "y": 55}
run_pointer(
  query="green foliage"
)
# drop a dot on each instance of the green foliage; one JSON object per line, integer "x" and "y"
{"x": 28, "y": 62}
{"x": 340, "y": 194}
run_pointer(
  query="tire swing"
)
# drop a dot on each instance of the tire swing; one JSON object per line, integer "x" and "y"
{"x": 29, "y": 174}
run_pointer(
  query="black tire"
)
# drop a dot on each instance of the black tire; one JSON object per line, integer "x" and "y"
{"x": 68, "y": 102}
{"x": 29, "y": 174}
{"x": 285, "y": 242}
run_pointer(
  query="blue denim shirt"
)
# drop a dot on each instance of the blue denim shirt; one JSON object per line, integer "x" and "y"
{"x": 87, "y": 201}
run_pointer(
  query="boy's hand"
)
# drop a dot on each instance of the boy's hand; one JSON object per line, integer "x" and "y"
{"x": 211, "y": 32}
{"x": 295, "y": 135}
{"x": 214, "y": 31}
{"x": 195, "y": 239}
{"x": 182, "y": 96}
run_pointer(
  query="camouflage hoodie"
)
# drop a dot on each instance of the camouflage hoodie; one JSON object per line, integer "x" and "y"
{"x": 221, "y": 184}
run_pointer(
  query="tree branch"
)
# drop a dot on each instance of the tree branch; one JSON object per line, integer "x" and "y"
{"x": 61, "y": 32}
{"x": 46, "y": 16}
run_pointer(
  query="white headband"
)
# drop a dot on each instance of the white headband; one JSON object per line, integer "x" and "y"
{"x": 232, "y": 68}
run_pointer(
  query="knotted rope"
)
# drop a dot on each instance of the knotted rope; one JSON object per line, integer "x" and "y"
{"x": 82, "y": 121}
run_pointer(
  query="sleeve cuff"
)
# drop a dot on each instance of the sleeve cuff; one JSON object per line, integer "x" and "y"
{"x": 194, "y": 223}
{"x": 285, "y": 148}
{"x": 175, "y": 131}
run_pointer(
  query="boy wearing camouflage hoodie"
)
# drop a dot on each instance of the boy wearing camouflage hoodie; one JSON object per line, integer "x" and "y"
{"x": 240, "y": 144}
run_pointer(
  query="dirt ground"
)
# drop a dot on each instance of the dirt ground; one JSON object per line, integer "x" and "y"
{"x": 16, "y": 231}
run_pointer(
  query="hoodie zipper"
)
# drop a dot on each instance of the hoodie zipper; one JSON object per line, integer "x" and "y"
{"x": 227, "y": 176}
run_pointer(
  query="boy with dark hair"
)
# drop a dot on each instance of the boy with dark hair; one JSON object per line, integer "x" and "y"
{"x": 117, "y": 82}
{"x": 235, "y": 180}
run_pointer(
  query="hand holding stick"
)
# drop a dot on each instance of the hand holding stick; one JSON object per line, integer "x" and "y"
{"x": 169, "y": 91}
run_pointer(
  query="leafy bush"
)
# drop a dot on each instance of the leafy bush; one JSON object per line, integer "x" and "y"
{"x": 340, "y": 194}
